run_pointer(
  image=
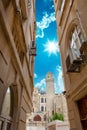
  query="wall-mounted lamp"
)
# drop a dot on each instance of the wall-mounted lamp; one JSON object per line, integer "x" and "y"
{"x": 32, "y": 51}
{"x": 65, "y": 93}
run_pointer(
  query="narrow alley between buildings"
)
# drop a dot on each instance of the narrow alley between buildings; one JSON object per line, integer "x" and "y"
{"x": 43, "y": 65}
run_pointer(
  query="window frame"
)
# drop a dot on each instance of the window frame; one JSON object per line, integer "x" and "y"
{"x": 75, "y": 42}
{"x": 7, "y": 120}
{"x": 74, "y": 61}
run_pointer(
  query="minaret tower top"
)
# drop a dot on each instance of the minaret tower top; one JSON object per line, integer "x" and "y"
{"x": 49, "y": 83}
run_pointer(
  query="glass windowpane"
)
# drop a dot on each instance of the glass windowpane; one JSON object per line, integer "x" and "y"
{"x": 81, "y": 38}
{"x": 7, "y": 103}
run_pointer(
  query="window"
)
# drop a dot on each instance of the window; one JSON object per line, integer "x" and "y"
{"x": 42, "y": 108}
{"x": 42, "y": 100}
{"x": 75, "y": 57}
{"x": 45, "y": 100}
{"x": 7, "y": 111}
{"x": 75, "y": 42}
{"x": 52, "y": 112}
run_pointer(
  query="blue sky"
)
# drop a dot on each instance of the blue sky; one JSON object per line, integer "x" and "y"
{"x": 48, "y": 56}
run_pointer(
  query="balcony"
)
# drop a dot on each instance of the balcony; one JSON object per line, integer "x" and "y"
{"x": 73, "y": 65}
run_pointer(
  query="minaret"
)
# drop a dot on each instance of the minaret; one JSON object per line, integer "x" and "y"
{"x": 50, "y": 93}
{"x": 49, "y": 83}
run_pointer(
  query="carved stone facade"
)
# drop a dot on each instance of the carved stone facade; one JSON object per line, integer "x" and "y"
{"x": 72, "y": 32}
{"x": 17, "y": 31}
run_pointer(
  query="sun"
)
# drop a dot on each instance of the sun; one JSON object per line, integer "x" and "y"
{"x": 51, "y": 47}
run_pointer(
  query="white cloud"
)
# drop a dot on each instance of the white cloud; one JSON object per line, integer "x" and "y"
{"x": 44, "y": 23}
{"x": 41, "y": 85}
{"x": 52, "y": 6}
{"x": 56, "y": 88}
{"x": 60, "y": 86}
{"x": 51, "y": 47}
{"x": 35, "y": 75}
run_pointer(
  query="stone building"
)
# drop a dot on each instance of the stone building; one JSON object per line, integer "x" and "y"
{"x": 55, "y": 103}
{"x": 60, "y": 105}
{"x": 72, "y": 32}
{"x": 45, "y": 104}
{"x": 17, "y": 51}
{"x": 39, "y": 115}
{"x": 42, "y": 102}
{"x": 50, "y": 93}
{"x": 36, "y": 98}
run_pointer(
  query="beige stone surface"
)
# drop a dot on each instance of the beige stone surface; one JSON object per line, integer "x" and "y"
{"x": 17, "y": 30}
{"x": 58, "y": 125}
{"x": 72, "y": 14}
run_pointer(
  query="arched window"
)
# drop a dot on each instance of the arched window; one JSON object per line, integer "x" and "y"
{"x": 42, "y": 100}
{"x": 42, "y": 108}
{"x": 7, "y": 110}
{"x": 37, "y": 118}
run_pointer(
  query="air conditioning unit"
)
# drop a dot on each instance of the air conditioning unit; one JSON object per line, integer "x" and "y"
{"x": 32, "y": 51}
{"x": 73, "y": 65}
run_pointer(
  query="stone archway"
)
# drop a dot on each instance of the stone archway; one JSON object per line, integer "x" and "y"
{"x": 8, "y": 109}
